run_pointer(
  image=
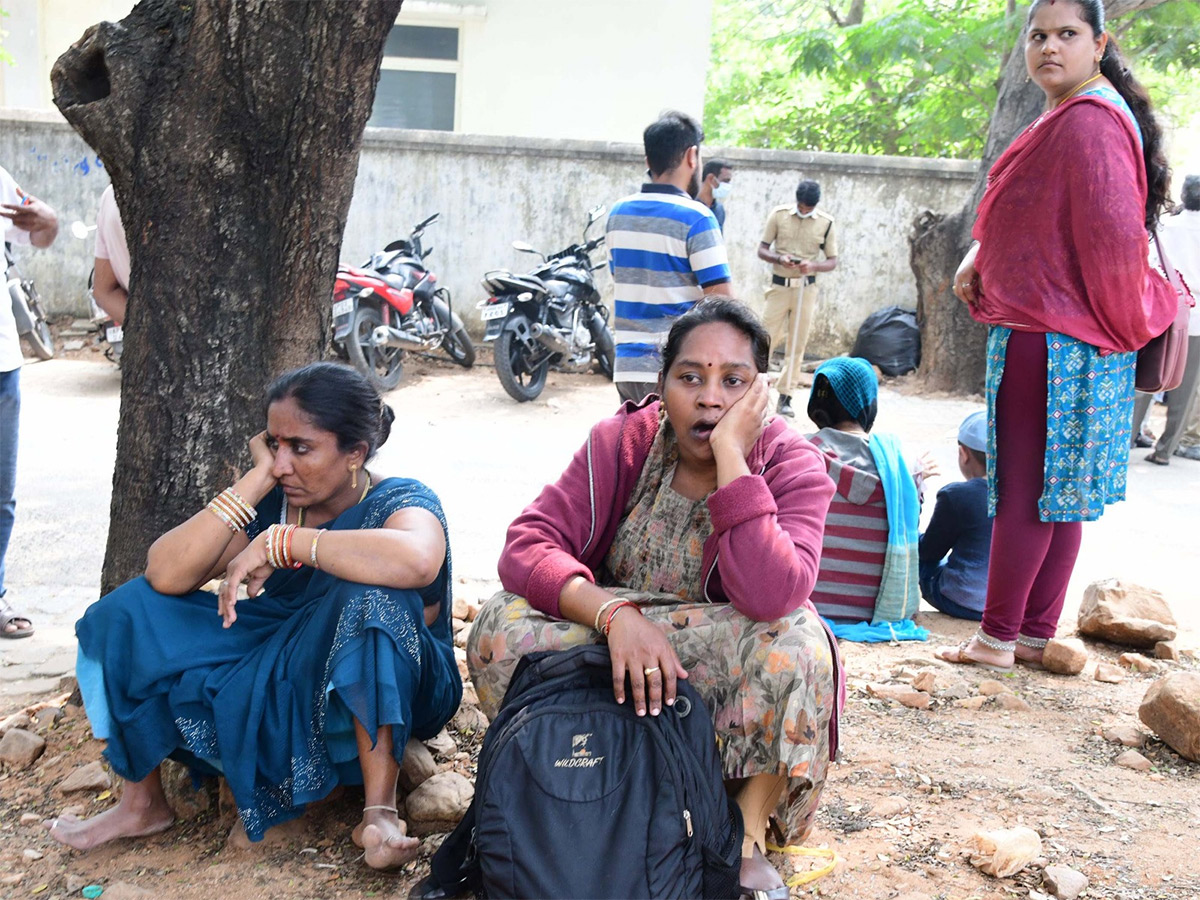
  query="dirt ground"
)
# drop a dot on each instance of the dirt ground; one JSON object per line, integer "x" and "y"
{"x": 911, "y": 788}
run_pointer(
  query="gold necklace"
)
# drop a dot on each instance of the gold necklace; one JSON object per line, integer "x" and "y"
{"x": 303, "y": 509}
{"x": 1078, "y": 88}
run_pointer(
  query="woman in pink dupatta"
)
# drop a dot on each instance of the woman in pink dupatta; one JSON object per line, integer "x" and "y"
{"x": 1059, "y": 272}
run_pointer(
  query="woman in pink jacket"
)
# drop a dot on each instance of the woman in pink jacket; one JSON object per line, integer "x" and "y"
{"x": 688, "y": 531}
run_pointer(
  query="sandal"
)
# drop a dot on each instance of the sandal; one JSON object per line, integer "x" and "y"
{"x": 958, "y": 656}
{"x": 9, "y": 616}
{"x": 781, "y": 892}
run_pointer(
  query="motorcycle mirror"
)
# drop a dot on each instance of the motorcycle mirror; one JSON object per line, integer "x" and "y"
{"x": 80, "y": 230}
{"x": 524, "y": 247}
{"x": 595, "y": 213}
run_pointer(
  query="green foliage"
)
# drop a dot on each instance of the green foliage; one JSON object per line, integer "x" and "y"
{"x": 915, "y": 78}
{"x": 5, "y": 57}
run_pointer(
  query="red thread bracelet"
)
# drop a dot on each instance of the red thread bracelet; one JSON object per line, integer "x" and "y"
{"x": 616, "y": 609}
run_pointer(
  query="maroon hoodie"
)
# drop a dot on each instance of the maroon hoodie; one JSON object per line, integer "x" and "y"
{"x": 763, "y": 555}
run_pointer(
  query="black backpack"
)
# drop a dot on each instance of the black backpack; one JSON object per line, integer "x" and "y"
{"x": 577, "y": 796}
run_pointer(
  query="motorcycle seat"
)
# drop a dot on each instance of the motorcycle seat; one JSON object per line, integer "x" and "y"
{"x": 501, "y": 282}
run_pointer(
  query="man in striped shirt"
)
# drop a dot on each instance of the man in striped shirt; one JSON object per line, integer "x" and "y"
{"x": 665, "y": 252}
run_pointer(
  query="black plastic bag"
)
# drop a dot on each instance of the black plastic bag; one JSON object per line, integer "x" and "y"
{"x": 891, "y": 340}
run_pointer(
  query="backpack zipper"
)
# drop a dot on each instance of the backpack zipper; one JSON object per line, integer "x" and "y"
{"x": 687, "y": 820}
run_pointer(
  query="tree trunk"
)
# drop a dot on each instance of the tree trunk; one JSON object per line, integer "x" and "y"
{"x": 231, "y": 131}
{"x": 953, "y": 345}
{"x": 953, "y": 356}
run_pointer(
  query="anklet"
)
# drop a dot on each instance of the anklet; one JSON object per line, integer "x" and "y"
{"x": 992, "y": 644}
{"x": 390, "y": 809}
{"x": 1032, "y": 642}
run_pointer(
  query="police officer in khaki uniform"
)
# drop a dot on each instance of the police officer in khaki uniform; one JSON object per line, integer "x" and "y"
{"x": 794, "y": 240}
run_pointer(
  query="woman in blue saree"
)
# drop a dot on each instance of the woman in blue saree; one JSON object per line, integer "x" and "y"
{"x": 342, "y": 652}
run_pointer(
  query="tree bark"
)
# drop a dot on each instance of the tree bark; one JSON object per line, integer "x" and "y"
{"x": 953, "y": 345}
{"x": 231, "y": 131}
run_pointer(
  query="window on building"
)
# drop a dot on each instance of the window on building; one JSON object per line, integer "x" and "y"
{"x": 418, "y": 84}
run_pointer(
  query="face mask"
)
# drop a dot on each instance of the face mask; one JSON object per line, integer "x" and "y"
{"x": 722, "y": 190}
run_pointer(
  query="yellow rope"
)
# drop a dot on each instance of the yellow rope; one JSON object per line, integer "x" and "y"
{"x": 818, "y": 852}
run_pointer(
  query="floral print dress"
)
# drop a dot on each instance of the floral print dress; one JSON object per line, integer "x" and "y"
{"x": 768, "y": 685}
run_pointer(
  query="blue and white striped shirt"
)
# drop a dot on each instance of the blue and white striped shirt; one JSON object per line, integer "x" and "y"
{"x": 664, "y": 248}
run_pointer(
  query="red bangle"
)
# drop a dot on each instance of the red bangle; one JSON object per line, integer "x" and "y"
{"x": 616, "y": 609}
{"x": 291, "y": 559}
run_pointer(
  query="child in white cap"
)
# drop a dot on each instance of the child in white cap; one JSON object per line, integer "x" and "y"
{"x": 960, "y": 528}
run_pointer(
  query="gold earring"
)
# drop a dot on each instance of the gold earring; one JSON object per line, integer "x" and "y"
{"x": 354, "y": 480}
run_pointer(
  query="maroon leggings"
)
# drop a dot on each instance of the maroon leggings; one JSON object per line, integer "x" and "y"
{"x": 1031, "y": 560}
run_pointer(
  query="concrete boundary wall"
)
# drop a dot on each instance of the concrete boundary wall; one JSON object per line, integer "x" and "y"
{"x": 492, "y": 191}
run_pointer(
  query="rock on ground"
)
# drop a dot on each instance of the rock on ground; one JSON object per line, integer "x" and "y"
{"x": 1125, "y": 735}
{"x": 439, "y": 804}
{"x": 417, "y": 767}
{"x": 1172, "y": 709}
{"x": 16, "y": 720}
{"x": 902, "y": 694}
{"x": 1166, "y": 650}
{"x": 989, "y": 687}
{"x": 442, "y": 744}
{"x": 1005, "y": 851}
{"x": 1131, "y": 759}
{"x": 1065, "y": 656}
{"x": 19, "y": 749}
{"x": 1109, "y": 674}
{"x": 90, "y": 777}
{"x": 187, "y": 801}
{"x": 1013, "y": 703}
{"x": 1064, "y": 882}
{"x": 1141, "y": 663}
{"x": 1127, "y": 614}
{"x": 889, "y": 807}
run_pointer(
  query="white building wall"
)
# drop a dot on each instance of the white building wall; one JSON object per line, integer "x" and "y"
{"x": 39, "y": 32}
{"x": 583, "y": 69}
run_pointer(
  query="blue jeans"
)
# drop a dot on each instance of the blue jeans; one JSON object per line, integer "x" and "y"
{"x": 930, "y": 574}
{"x": 10, "y": 414}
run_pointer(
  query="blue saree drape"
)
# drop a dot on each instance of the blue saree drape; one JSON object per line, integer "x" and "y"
{"x": 271, "y": 702}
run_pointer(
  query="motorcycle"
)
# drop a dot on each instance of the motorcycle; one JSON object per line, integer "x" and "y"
{"x": 27, "y": 309}
{"x": 109, "y": 331}
{"x": 550, "y": 316}
{"x": 393, "y": 304}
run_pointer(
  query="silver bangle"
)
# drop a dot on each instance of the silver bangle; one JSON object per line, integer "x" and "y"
{"x": 1032, "y": 642}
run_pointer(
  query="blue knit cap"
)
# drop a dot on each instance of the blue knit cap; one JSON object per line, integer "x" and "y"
{"x": 853, "y": 381}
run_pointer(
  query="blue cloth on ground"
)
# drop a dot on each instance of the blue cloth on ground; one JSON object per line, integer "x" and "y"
{"x": 878, "y": 632}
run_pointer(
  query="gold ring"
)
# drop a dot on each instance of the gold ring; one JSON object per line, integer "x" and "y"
{"x": 651, "y": 670}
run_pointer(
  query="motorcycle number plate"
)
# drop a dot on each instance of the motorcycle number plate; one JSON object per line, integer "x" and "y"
{"x": 495, "y": 311}
{"x": 343, "y": 308}
{"x": 114, "y": 334}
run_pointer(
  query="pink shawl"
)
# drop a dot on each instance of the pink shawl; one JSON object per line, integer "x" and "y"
{"x": 1062, "y": 241}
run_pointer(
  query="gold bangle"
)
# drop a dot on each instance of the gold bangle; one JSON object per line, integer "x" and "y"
{"x": 312, "y": 553}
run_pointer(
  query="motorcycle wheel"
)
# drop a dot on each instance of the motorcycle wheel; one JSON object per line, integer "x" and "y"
{"x": 606, "y": 352}
{"x": 456, "y": 343}
{"x": 512, "y": 367}
{"x": 382, "y": 366}
{"x": 40, "y": 340}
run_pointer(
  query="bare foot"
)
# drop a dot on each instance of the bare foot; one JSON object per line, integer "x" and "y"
{"x": 758, "y": 875}
{"x": 122, "y": 821}
{"x": 974, "y": 653}
{"x": 384, "y": 839}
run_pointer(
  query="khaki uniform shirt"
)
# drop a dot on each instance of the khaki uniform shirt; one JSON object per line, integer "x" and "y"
{"x": 805, "y": 237}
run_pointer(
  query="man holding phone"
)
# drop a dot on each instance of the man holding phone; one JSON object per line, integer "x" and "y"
{"x": 24, "y": 219}
{"x": 798, "y": 241}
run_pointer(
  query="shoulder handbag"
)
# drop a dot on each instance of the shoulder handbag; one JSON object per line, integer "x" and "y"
{"x": 1160, "y": 363}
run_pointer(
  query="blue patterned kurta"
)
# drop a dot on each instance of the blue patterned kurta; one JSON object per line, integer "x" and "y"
{"x": 1089, "y": 424}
